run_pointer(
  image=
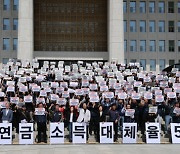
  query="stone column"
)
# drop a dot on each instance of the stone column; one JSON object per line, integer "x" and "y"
{"x": 25, "y": 30}
{"x": 115, "y": 31}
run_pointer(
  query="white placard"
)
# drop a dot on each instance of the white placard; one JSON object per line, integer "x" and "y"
{"x": 153, "y": 109}
{"x": 14, "y": 100}
{"x": 61, "y": 101}
{"x": 129, "y": 112}
{"x": 106, "y": 132}
{"x": 175, "y": 132}
{"x": 36, "y": 88}
{"x": 39, "y": 111}
{"x": 171, "y": 94}
{"x": 28, "y": 99}
{"x": 94, "y": 99}
{"x": 23, "y": 89}
{"x": 79, "y": 92}
{"x": 122, "y": 95}
{"x": 104, "y": 88}
{"x": 54, "y": 97}
{"x": 148, "y": 95}
{"x": 10, "y": 89}
{"x": 56, "y": 133}
{"x": 26, "y": 133}
{"x": 152, "y": 133}
{"x": 79, "y": 132}
{"x": 5, "y": 133}
{"x": 74, "y": 102}
{"x": 159, "y": 98}
{"x": 108, "y": 94}
{"x": 129, "y": 132}
{"x": 93, "y": 87}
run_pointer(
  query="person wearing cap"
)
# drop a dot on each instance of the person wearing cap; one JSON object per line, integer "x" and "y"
{"x": 114, "y": 117}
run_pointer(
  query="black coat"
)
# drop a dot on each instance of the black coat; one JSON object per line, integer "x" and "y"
{"x": 23, "y": 116}
{"x": 67, "y": 116}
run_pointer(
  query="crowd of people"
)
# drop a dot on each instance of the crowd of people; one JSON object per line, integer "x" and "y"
{"x": 88, "y": 92}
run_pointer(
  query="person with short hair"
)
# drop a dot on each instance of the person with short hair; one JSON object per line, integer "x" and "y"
{"x": 41, "y": 125}
{"x": 7, "y": 113}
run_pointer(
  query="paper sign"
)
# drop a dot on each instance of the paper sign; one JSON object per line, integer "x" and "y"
{"x": 129, "y": 112}
{"x": 159, "y": 98}
{"x": 28, "y": 99}
{"x": 74, "y": 102}
{"x": 39, "y": 111}
{"x": 14, "y": 100}
{"x": 61, "y": 101}
{"x": 171, "y": 94}
{"x": 153, "y": 109}
{"x": 148, "y": 95}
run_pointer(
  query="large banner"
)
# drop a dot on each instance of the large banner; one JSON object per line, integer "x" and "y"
{"x": 26, "y": 135}
{"x": 152, "y": 133}
{"x": 5, "y": 133}
{"x": 56, "y": 133}
{"x": 106, "y": 132}
{"x": 79, "y": 132}
{"x": 175, "y": 132}
{"x": 129, "y": 132}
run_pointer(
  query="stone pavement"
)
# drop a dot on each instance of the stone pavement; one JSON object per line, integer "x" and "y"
{"x": 91, "y": 149}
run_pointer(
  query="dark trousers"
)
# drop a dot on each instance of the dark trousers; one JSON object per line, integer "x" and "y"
{"x": 70, "y": 131}
{"x": 115, "y": 131}
{"x": 92, "y": 125}
{"x": 41, "y": 127}
{"x": 97, "y": 131}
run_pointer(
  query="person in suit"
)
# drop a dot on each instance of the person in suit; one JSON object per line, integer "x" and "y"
{"x": 70, "y": 116}
{"x": 101, "y": 117}
{"x": 84, "y": 116}
{"x": 7, "y": 113}
{"x": 41, "y": 125}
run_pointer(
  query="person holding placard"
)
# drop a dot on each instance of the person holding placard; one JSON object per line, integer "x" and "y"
{"x": 120, "y": 104}
{"x": 23, "y": 116}
{"x": 167, "y": 115}
{"x": 128, "y": 113}
{"x": 55, "y": 115}
{"x": 41, "y": 120}
{"x": 176, "y": 113}
{"x": 106, "y": 103}
{"x": 93, "y": 108}
{"x": 114, "y": 117}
